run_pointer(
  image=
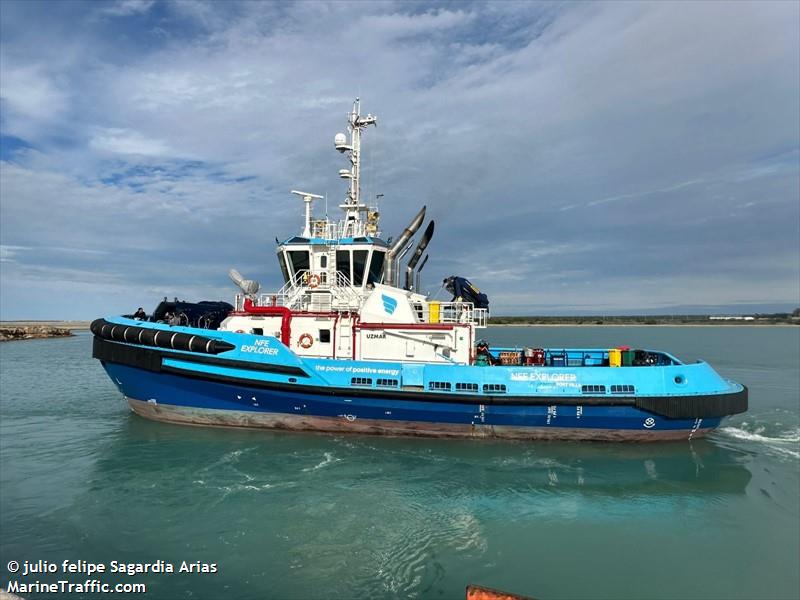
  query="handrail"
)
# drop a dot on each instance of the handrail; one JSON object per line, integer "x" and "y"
{"x": 332, "y": 231}
{"x": 297, "y": 293}
{"x": 343, "y": 296}
{"x": 452, "y": 312}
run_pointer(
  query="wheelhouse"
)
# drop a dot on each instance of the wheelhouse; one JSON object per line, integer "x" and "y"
{"x": 359, "y": 261}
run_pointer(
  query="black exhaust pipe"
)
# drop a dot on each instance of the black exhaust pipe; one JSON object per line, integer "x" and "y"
{"x": 412, "y": 262}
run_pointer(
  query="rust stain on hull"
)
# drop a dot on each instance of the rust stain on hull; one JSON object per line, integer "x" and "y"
{"x": 184, "y": 415}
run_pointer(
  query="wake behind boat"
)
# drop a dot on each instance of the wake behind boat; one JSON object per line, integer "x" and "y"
{"x": 345, "y": 346}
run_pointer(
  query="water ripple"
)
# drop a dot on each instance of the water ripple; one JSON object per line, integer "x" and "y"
{"x": 786, "y": 443}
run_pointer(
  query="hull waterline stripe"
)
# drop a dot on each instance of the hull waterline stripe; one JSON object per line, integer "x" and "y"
{"x": 182, "y": 415}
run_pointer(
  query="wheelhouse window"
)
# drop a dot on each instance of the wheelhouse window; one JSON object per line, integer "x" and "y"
{"x": 284, "y": 268}
{"x": 359, "y": 264}
{"x": 376, "y": 266}
{"x": 343, "y": 263}
{"x": 298, "y": 260}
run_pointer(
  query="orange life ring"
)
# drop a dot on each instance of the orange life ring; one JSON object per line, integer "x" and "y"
{"x": 313, "y": 281}
{"x": 305, "y": 341}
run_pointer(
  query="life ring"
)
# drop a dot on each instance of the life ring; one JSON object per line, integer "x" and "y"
{"x": 305, "y": 341}
{"x": 313, "y": 281}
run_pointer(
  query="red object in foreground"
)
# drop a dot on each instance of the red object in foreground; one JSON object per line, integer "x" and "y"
{"x": 478, "y": 592}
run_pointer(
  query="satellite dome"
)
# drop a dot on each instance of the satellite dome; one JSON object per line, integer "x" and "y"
{"x": 340, "y": 141}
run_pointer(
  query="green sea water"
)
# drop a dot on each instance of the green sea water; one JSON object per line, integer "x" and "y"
{"x": 287, "y": 515}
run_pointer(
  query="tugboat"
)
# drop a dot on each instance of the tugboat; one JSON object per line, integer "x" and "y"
{"x": 345, "y": 346}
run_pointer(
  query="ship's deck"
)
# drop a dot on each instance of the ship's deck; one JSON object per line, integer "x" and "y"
{"x": 580, "y": 357}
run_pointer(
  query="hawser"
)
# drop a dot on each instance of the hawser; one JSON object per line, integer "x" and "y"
{"x": 345, "y": 346}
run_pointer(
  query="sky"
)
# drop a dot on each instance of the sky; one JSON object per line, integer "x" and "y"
{"x": 579, "y": 158}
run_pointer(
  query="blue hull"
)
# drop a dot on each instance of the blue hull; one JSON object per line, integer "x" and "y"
{"x": 203, "y": 377}
{"x": 173, "y": 398}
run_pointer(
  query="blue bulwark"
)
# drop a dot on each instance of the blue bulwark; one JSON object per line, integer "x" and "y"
{"x": 413, "y": 374}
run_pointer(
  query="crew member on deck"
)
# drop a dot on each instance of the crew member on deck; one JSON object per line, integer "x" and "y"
{"x": 140, "y": 315}
{"x": 482, "y": 349}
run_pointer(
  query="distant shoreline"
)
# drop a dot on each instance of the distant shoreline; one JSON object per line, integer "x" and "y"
{"x": 71, "y": 325}
{"x": 701, "y": 320}
{"x": 555, "y": 322}
{"x": 572, "y": 324}
{"x": 84, "y": 325}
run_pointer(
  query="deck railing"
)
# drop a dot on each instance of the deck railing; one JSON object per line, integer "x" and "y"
{"x": 323, "y": 292}
{"x": 452, "y": 312}
{"x": 307, "y": 291}
{"x": 332, "y": 231}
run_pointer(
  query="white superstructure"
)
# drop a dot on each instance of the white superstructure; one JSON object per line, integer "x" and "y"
{"x": 341, "y": 296}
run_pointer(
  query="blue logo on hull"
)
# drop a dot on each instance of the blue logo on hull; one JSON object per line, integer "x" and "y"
{"x": 389, "y": 304}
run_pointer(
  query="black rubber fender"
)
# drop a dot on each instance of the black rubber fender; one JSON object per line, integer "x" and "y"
{"x": 145, "y": 336}
{"x": 161, "y": 338}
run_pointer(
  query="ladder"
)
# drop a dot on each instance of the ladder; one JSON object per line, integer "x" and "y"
{"x": 344, "y": 336}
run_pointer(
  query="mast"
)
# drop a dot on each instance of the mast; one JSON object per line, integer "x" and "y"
{"x": 355, "y": 124}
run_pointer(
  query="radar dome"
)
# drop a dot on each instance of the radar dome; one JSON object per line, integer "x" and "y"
{"x": 340, "y": 141}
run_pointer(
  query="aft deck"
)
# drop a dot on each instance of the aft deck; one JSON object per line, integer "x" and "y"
{"x": 581, "y": 357}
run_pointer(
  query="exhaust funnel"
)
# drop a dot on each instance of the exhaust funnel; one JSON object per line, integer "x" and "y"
{"x": 402, "y": 240}
{"x": 412, "y": 262}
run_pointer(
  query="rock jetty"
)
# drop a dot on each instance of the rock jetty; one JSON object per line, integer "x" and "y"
{"x": 32, "y": 332}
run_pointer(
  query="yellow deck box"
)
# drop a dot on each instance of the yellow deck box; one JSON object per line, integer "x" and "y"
{"x": 615, "y": 357}
{"x": 433, "y": 312}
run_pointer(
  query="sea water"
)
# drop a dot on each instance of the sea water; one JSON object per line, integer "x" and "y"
{"x": 292, "y": 515}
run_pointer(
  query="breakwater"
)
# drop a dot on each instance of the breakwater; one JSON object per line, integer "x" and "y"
{"x": 32, "y": 332}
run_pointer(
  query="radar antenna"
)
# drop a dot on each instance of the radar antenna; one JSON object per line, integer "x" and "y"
{"x": 308, "y": 198}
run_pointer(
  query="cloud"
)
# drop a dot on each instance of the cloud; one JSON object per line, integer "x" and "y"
{"x": 568, "y": 151}
{"x": 29, "y": 94}
{"x": 7, "y": 253}
{"x": 126, "y": 8}
{"x": 671, "y": 188}
{"x": 124, "y": 141}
